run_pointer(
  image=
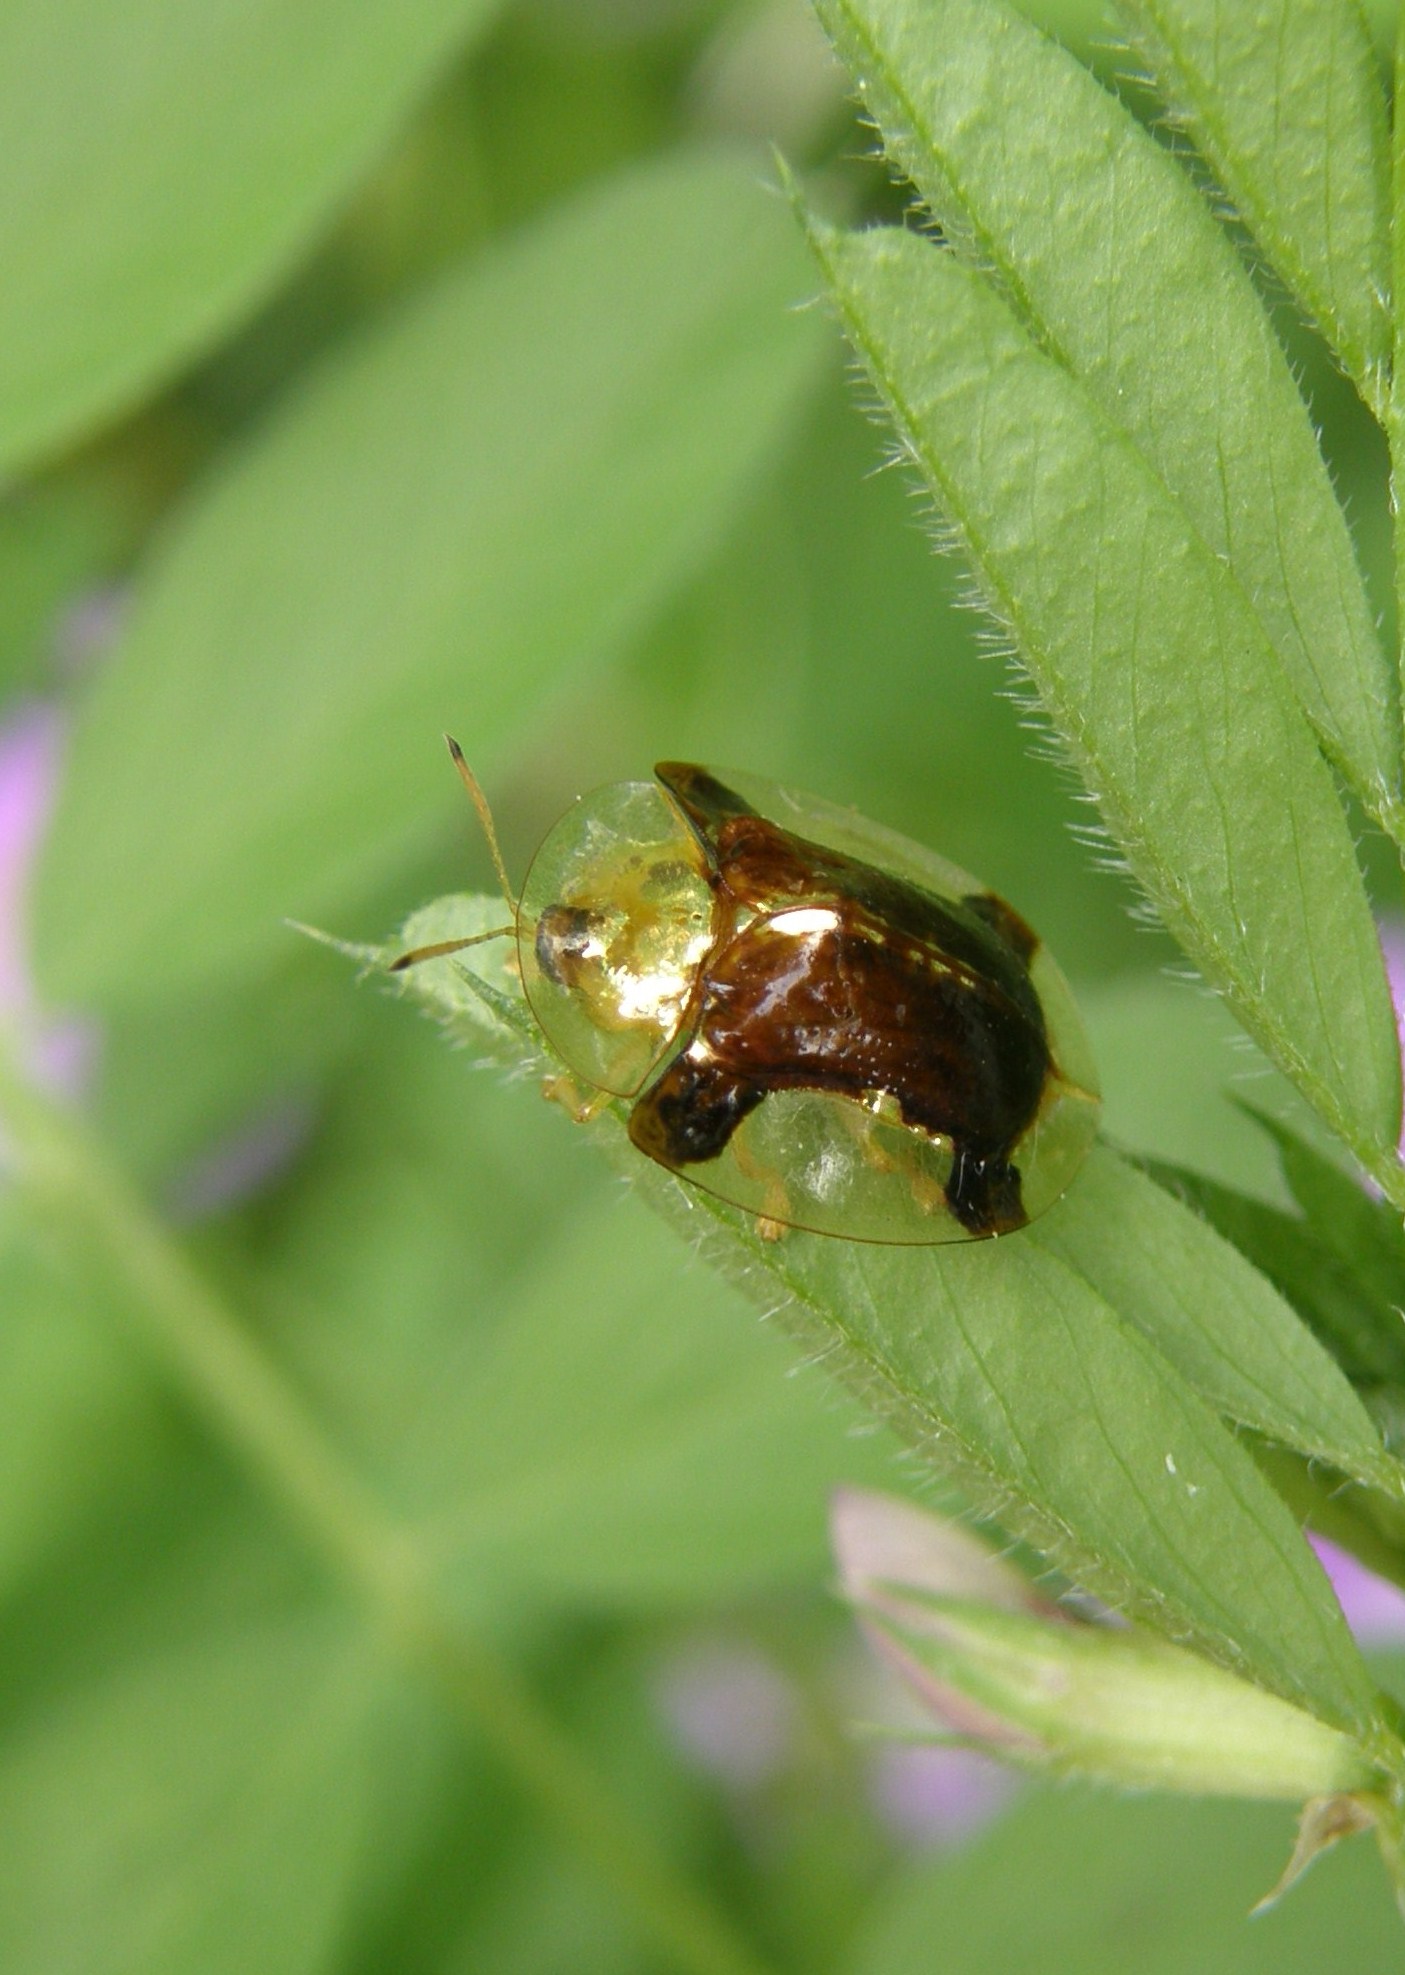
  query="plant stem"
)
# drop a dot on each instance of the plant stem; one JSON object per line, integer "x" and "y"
{"x": 200, "y": 1345}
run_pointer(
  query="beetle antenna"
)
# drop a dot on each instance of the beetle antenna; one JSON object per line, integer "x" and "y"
{"x": 443, "y": 946}
{"x": 485, "y": 817}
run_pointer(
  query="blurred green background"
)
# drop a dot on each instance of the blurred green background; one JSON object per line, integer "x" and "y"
{"x": 366, "y": 371}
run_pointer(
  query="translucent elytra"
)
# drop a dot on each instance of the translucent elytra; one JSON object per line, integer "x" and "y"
{"x": 695, "y": 944}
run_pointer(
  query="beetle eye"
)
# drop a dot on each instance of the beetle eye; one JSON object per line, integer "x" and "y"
{"x": 564, "y": 939}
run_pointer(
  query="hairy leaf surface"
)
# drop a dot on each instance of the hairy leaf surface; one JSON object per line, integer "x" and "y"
{"x": 1117, "y": 268}
{"x": 1150, "y": 663}
{"x": 1285, "y": 103}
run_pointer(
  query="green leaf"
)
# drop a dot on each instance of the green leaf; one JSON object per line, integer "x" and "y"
{"x": 1148, "y": 660}
{"x": 1324, "y": 1289}
{"x": 1175, "y": 1100}
{"x": 1049, "y": 1408}
{"x": 501, "y": 484}
{"x": 197, "y": 1808}
{"x": 1395, "y": 414}
{"x": 528, "y": 1906}
{"x": 1224, "y": 1327}
{"x": 163, "y": 165}
{"x": 821, "y": 574}
{"x": 558, "y": 1405}
{"x": 178, "y": 1077}
{"x": 620, "y": 1457}
{"x": 1364, "y": 1234}
{"x": 1341, "y": 1263}
{"x": 1119, "y": 271}
{"x": 1285, "y": 103}
{"x": 1069, "y": 1880}
{"x": 1010, "y": 1372}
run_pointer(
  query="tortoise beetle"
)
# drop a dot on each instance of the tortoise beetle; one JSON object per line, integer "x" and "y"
{"x": 810, "y": 1016}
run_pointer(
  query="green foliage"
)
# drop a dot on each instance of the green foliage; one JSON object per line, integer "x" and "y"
{"x": 568, "y": 1446}
{"x": 1214, "y": 1318}
{"x": 421, "y": 530}
{"x": 1286, "y": 107}
{"x": 164, "y": 166}
{"x": 1180, "y": 1870}
{"x": 1152, "y": 666}
{"x": 1071, "y": 1394}
{"x": 231, "y": 1766}
{"x": 377, "y": 1474}
{"x": 1117, "y": 270}
{"x": 76, "y": 1419}
{"x": 1340, "y": 1259}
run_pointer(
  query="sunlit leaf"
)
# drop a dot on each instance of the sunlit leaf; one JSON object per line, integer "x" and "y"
{"x": 1364, "y": 1233}
{"x": 1337, "y": 1289}
{"x": 1221, "y": 1323}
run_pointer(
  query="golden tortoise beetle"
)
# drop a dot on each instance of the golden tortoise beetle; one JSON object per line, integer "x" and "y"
{"x": 815, "y": 1018}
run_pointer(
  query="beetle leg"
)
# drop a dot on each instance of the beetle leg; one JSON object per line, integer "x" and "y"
{"x": 579, "y": 1109}
{"x": 878, "y": 1109}
{"x": 775, "y": 1216}
{"x": 863, "y": 1119}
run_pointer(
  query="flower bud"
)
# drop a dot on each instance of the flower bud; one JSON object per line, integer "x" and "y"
{"x": 998, "y": 1665}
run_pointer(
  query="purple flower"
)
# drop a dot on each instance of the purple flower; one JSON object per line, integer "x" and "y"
{"x": 59, "y": 1053}
{"x": 730, "y": 1710}
{"x": 1374, "y": 1609}
{"x": 1392, "y": 938}
{"x": 939, "y": 1797}
{"x": 29, "y": 754}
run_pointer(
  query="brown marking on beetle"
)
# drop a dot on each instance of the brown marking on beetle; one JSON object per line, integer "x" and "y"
{"x": 874, "y": 985}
